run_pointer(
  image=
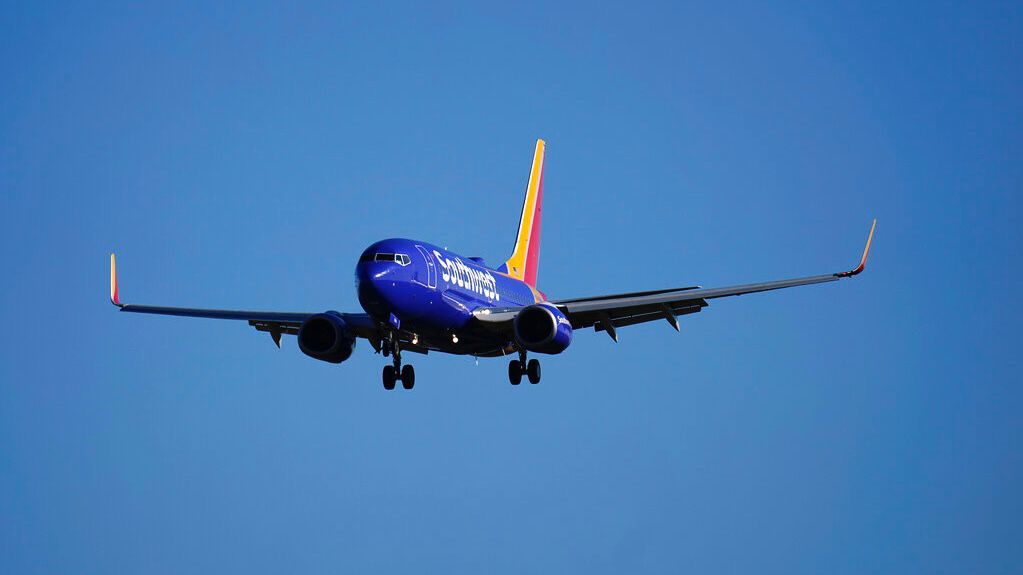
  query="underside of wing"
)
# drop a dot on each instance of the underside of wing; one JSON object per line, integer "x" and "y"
{"x": 608, "y": 312}
{"x": 633, "y": 314}
{"x": 275, "y": 323}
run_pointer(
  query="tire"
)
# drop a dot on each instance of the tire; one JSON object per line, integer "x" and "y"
{"x": 408, "y": 377}
{"x": 533, "y": 371}
{"x": 389, "y": 377}
{"x": 514, "y": 372}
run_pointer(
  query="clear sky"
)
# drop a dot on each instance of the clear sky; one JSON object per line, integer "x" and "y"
{"x": 243, "y": 157}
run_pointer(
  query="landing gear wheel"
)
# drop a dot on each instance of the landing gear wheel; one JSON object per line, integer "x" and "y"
{"x": 514, "y": 372}
{"x": 533, "y": 371}
{"x": 389, "y": 376}
{"x": 408, "y": 377}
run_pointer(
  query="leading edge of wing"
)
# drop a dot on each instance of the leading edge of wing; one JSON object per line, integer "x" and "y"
{"x": 641, "y": 298}
{"x": 629, "y": 294}
{"x": 267, "y": 316}
{"x": 248, "y": 315}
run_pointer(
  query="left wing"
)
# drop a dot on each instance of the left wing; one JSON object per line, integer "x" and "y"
{"x": 274, "y": 322}
{"x": 609, "y": 312}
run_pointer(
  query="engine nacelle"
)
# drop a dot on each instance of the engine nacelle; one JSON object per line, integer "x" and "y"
{"x": 325, "y": 337}
{"x": 543, "y": 328}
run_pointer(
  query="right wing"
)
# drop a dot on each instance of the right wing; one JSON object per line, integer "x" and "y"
{"x": 605, "y": 313}
{"x": 275, "y": 323}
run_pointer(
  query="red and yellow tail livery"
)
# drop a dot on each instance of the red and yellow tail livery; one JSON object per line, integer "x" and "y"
{"x": 525, "y": 258}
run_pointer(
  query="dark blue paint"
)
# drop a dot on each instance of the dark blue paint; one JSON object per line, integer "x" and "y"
{"x": 434, "y": 296}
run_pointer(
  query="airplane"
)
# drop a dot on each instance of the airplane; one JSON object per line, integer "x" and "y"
{"x": 419, "y": 298}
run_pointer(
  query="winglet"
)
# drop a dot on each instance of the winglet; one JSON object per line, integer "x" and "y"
{"x": 863, "y": 260}
{"x": 113, "y": 283}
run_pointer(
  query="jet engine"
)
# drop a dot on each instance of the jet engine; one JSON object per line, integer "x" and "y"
{"x": 543, "y": 328}
{"x": 325, "y": 337}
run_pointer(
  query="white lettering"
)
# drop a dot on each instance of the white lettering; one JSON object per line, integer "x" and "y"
{"x": 456, "y": 272}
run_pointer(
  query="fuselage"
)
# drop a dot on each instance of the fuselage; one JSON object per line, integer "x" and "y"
{"x": 430, "y": 292}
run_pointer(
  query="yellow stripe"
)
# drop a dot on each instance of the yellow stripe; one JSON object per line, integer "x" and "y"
{"x": 517, "y": 262}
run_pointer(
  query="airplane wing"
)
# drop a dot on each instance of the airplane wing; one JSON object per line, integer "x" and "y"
{"x": 275, "y": 323}
{"x": 606, "y": 313}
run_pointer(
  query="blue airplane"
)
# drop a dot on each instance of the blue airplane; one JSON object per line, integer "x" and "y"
{"x": 419, "y": 297}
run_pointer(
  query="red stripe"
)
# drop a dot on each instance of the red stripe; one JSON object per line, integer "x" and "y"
{"x": 533, "y": 251}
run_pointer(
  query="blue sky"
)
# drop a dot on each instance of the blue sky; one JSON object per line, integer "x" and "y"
{"x": 244, "y": 156}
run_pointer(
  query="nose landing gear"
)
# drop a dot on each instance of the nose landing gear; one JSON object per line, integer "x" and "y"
{"x": 519, "y": 367}
{"x": 393, "y": 373}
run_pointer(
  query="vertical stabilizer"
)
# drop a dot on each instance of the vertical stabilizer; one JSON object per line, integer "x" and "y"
{"x": 525, "y": 257}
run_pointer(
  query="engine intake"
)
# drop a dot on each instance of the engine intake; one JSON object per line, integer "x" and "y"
{"x": 543, "y": 328}
{"x": 325, "y": 337}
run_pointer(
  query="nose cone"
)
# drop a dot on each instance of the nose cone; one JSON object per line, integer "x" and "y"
{"x": 381, "y": 284}
{"x": 377, "y": 283}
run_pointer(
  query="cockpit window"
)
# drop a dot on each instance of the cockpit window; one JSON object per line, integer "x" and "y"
{"x": 400, "y": 259}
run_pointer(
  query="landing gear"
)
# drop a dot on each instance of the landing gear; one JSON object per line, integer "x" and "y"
{"x": 514, "y": 372}
{"x": 395, "y": 372}
{"x": 519, "y": 367}
{"x": 533, "y": 371}
{"x": 408, "y": 377}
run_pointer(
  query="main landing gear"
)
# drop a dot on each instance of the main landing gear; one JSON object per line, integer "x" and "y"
{"x": 397, "y": 372}
{"x": 518, "y": 367}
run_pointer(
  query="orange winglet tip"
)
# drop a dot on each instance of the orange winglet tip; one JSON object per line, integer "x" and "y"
{"x": 863, "y": 260}
{"x": 113, "y": 283}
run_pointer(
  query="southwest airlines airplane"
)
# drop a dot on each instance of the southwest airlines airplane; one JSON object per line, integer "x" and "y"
{"x": 419, "y": 297}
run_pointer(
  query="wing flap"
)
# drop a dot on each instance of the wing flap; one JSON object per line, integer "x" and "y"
{"x": 641, "y": 318}
{"x": 636, "y": 315}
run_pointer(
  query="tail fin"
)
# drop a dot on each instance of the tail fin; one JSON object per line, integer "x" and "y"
{"x": 525, "y": 257}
